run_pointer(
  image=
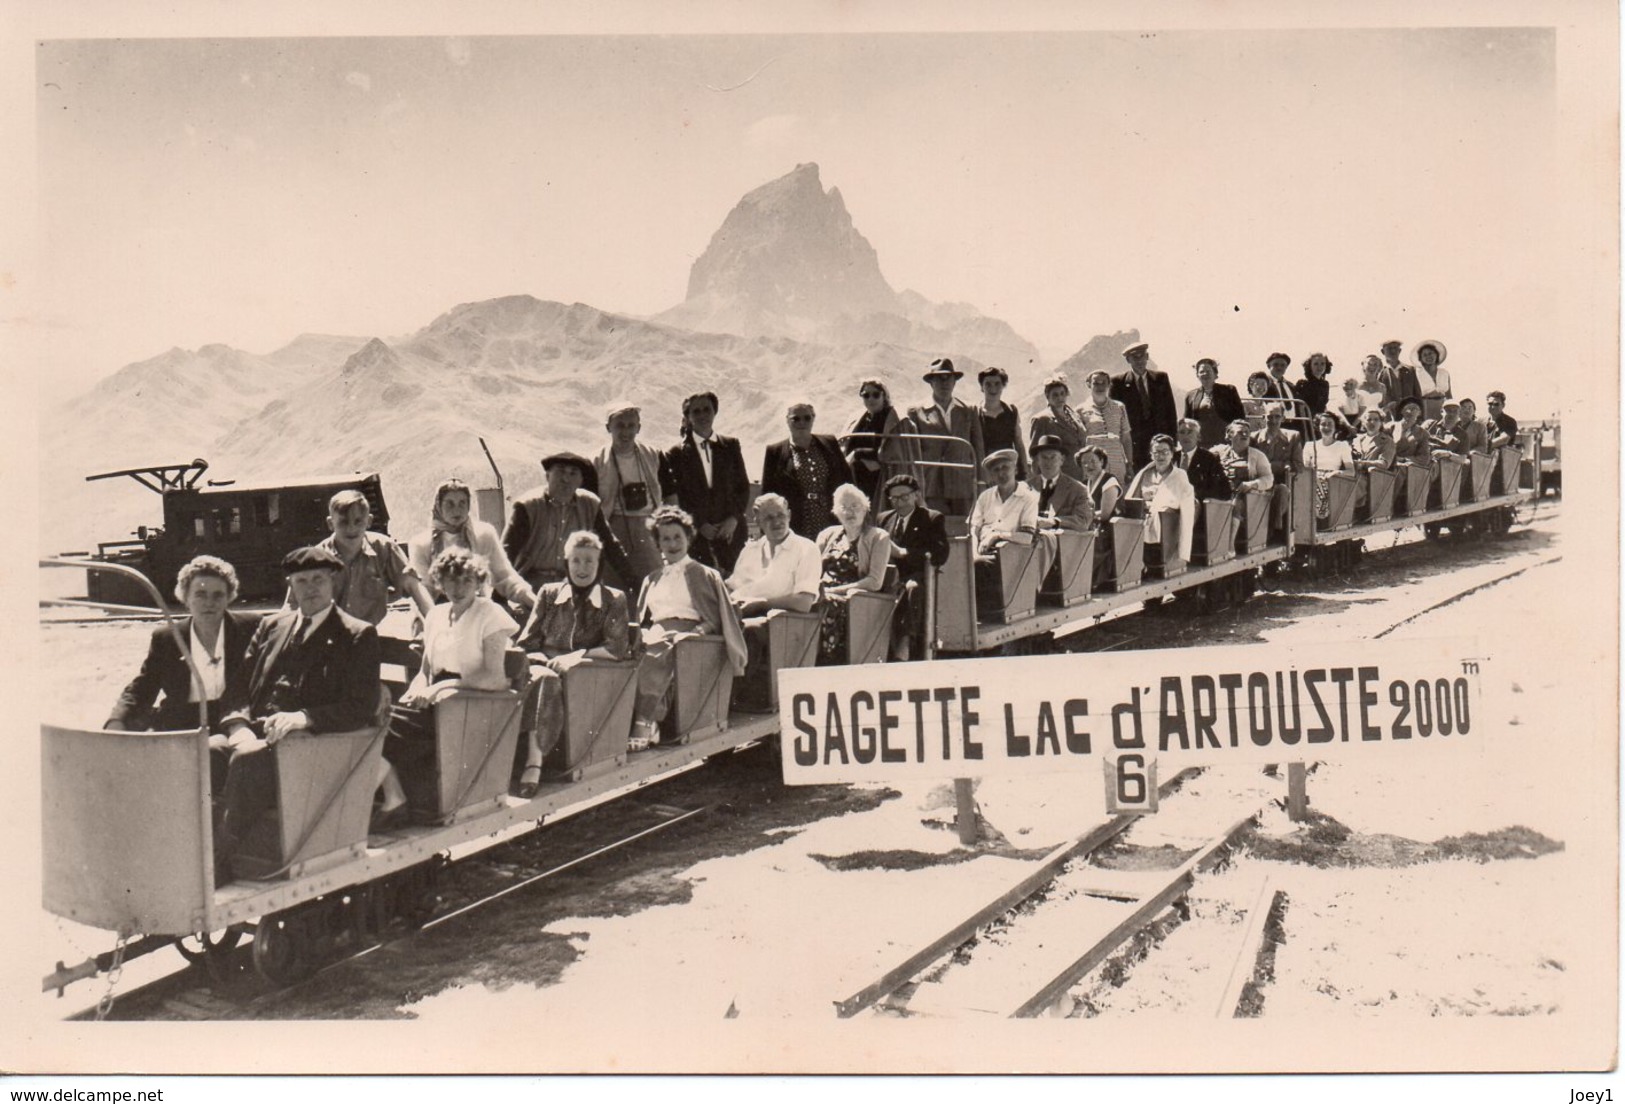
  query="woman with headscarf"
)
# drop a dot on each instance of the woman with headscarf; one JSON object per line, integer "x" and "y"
{"x": 575, "y": 620}
{"x": 453, "y": 525}
{"x": 873, "y": 445}
{"x": 1060, "y": 420}
{"x": 629, "y": 485}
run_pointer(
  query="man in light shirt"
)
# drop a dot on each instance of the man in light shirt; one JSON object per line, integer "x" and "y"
{"x": 1005, "y": 513}
{"x": 778, "y": 570}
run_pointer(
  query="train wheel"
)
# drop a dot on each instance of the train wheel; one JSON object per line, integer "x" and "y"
{"x": 282, "y": 952}
{"x": 198, "y": 948}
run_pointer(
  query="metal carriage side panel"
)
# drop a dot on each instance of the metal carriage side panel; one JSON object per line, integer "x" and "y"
{"x": 792, "y": 641}
{"x": 1128, "y": 553}
{"x": 599, "y": 696}
{"x": 1508, "y": 460}
{"x": 702, "y": 688}
{"x": 1018, "y": 578}
{"x": 1215, "y": 540}
{"x": 475, "y": 735}
{"x": 1380, "y": 485}
{"x": 1075, "y": 558}
{"x": 325, "y": 783}
{"x": 1445, "y": 493}
{"x": 868, "y": 626}
{"x": 1255, "y": 521}
{"x": 126, "y": 829}
{"x": 1481, "y": 473}
{"x": 956, "y": 598}
{"x": 1340, "y": 494}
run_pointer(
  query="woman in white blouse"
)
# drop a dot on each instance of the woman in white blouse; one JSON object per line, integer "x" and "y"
{"x": 465, "y": 639}
{"x": 1323, "y": 456}
{"x": 1163, "y": 485}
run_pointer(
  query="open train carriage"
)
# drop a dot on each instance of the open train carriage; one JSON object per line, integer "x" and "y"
{"x": 251, "y": 525}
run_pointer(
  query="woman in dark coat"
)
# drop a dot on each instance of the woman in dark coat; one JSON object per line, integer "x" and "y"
{"x": 1313, "y": 389}
{"x": 161, "y": 697}
{"x": 872, "y": 443}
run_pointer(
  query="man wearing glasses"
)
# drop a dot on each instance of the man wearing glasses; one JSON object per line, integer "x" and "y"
{"x": 919, "y": 542}
{"x": 805, "y": 469}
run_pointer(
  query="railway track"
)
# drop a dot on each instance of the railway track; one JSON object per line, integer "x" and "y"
{"x": 1022, "y": 953}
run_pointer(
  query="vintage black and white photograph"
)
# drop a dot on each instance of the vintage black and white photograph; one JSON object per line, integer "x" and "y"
{"x": 1029, "y": 542}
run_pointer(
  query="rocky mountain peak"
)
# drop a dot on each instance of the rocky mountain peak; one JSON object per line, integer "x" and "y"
{"x": 789, "y": 248}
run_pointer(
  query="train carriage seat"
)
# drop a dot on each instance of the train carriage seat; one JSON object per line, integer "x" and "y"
{"x": 1341, "y": 491}
{"x": 1162, "y": 559}
{"x": 792, "y": 641}
{"x": 1070, "y": 577}
{"x": 1508, "y": 460}
{"x": 701, "y": 690}
{"x": 1481, "y": 476}
{"x": 1413, "y": 489}
{"x": 599, "y": 695}
{"x": 1378, "y": 485}
{"x": 476, "y": 737}
{"x": 1253, "y": 528}
{"x": 870, "y": 614}
{"x": 1215, "y": 537}
{"x": 1444, "y": 492}
{"x": 325, "y": 785}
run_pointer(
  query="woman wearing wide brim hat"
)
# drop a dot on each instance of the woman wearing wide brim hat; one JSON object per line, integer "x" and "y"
{"x": 1433, "y": 379}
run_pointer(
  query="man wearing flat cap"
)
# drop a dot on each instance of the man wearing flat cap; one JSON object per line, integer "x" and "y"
{"x": 1148, "y": 398}
{"x": 544, "y": 516}
{"x": 312, "y": 669}
{"x": 1005, "y": 513}
{"x": 950, "y": 490}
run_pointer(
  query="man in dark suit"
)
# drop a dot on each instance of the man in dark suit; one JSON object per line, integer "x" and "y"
{"x": 1399, "y": 379}
{"x": 919, "y": 542}
{"x": 1214, "y": 405}
{"x": 1149, "y": 399}
{"x": 312, "y": 669}
{"x": 708, "y": 472}
{"x": 1201, "y": 467}
{"x": 1063, "y": 503}
{"x": 806, "y": 468}
{"x": 1278, "y": 387}
{"x": 949, "y": 489}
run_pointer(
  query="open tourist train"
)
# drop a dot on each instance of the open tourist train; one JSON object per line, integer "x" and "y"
{"x": 127, "y": 828}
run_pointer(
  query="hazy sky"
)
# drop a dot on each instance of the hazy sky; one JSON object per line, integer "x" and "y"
{"x": 1335, "y": 186}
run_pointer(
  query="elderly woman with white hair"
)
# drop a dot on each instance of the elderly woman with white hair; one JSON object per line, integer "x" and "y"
{"x": 629, "y": 485}
{"x": 573, "y": 621}
{"x": 855, "y": 555}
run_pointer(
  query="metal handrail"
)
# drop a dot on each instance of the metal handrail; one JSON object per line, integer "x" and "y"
{"x": 157, "y": 601}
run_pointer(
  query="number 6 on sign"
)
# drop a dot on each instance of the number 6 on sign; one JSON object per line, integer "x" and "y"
{"x": 1131, "y": 784}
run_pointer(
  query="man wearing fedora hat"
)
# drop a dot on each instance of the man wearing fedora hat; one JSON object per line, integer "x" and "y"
{"x": 1397, "y": 378}
{"x": 1149, "y": 399}
{"x": 312, "y": 668}
{"x": 948, "y": 489}
{"x": 544, "y": 516}
{"x": 1063, "y": 503}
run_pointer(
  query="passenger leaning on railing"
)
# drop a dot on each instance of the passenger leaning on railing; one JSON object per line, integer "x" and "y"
{"x": 575, "y": 620}
{"x": 464, "y": 641}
